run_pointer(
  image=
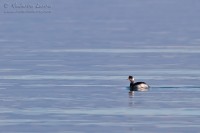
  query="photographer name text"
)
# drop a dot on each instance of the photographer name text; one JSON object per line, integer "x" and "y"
{"x": 26, "y": 6}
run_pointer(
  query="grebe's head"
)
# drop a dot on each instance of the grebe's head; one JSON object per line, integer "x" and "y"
{"x": 130, "y": 78}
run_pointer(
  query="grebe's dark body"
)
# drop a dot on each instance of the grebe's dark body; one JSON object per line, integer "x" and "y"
{"x": 139, "y": 86}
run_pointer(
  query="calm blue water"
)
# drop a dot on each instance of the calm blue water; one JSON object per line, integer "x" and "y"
{"x": 64, "y": 68}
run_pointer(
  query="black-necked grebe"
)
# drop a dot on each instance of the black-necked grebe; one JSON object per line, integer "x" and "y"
{"x": 137, "y": 86}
